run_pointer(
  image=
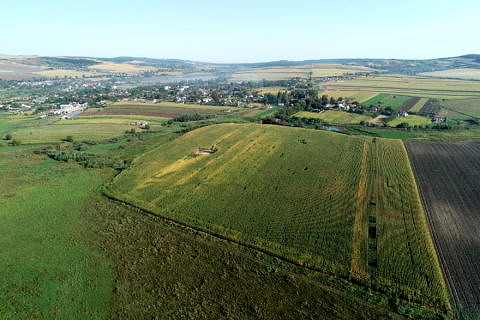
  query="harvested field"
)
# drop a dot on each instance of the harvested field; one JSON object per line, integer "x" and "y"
{"x": 379, "y": 120}
{"x": 448, "y": 175}
{"x": 419, "y": 105}
{"x": 409, "y": 104}
{"x": 432, "y": 106}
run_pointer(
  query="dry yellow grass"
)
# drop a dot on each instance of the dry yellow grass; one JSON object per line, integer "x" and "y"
{"x": 121, "y": 67}
{"x": 65, "y": 73}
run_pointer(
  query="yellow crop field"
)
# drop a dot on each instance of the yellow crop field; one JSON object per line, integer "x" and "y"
{"x": 60, "y": 73}
{"x": 121, "y": 67}
{"x": 412, "y": 120}
{"x": 334, "y": 117}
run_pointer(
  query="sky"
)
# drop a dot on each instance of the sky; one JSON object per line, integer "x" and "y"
{"x": 241, "y": 31}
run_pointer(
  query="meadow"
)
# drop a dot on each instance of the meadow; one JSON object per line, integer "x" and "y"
{"x": 48, "y": 268}
{"x": 386, "y": 100}
{"x": 8, "y": 122}
{"x": 80, "y": 130}
{"x": 363, "y": 220}
{"x": 463, "y": 109}
{"x": 334, "y": 117}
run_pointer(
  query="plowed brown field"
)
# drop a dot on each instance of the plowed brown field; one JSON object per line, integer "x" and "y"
{"x": 448, "y": 176}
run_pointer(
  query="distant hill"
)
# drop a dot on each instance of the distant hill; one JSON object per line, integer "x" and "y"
{"x": 24, "y": 67}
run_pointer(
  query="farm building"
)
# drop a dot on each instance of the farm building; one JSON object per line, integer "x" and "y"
{"x": 439, "y": 118}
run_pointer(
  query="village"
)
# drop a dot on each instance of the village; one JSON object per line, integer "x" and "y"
{"x": 69, "y": 97}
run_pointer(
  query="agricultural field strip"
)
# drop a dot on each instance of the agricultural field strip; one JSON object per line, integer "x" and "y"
{"x": 419, "y": 105}
{"x": 268, "y": 165}
{"x": 409, "y": 104}
{"x": 171, "y": 105}
{"x": 162, "y": 109}
{"x": 449, "y": 178}
{"x": 409, "y": 89}
{"x": 396, "y": 102}
{"x": 332, "y": 116}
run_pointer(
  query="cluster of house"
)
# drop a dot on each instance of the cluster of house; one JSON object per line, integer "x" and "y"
{"x": 437, "y": 118}
{"x": 144, "y": 100}
{"x": 141, "y": 124}
{"x": 66, "y": 110}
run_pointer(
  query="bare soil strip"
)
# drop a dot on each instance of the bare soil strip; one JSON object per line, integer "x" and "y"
{"x": 409, "y": 104}
{"x": 448, "y": 176}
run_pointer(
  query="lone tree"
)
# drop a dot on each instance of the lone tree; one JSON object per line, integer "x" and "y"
{"x": 8, "y": 136}
{"x": 69, "y": 139}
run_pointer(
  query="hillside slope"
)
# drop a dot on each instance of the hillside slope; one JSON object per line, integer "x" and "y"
{"x": 340, "y": 204}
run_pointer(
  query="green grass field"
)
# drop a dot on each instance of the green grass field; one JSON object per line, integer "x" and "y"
{"x": 334, "y": 117}
{"x": 47, "y": 266}
{"x": 261, "y": 188}
{"x": 80, "y": 130}
{"x": 385, "y": 100}
{"x": 412, "y": 120}
{"x": 464, "y": 109}
{"x": 9, "y": 122}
